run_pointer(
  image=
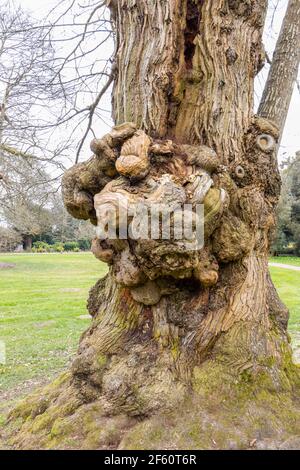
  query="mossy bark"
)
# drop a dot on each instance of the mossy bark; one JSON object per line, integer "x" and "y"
{"x": 207, "y": 364}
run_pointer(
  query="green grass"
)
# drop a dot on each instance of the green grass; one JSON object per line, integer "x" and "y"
{"x": 42, "y": 300}
{"x": 288, "y": 283}
{"x": 293, "y": 260}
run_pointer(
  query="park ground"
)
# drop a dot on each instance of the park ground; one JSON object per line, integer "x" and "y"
{"x": 43, "y": 313}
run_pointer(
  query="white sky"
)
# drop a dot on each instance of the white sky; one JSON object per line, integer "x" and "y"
{"x": 291, "y": 138}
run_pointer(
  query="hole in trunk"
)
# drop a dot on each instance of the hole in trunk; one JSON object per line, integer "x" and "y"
{"x": 193, "y": 18}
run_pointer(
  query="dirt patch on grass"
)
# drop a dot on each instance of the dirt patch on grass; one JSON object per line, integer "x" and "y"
{"x": 84, "y": 317}
{"x": 7, "y": 265}
{"x": 70, "y": 289}
{"x": 44, "y": 324}
{"x": 10, "y": 396}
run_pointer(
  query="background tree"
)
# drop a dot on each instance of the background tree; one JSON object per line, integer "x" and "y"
{"x": 295, "y": 192}
{"x": 26, "y": 61}
{"x": 185, "y": 350}
{"x": 51, "y": 82}
{"x": 31, "y": 206}
{"x": 26, "y": 98}
{"x": 9, "y": 239}
{"x": 288, "y": 232}
{"x": 284, "y": 69}
{"x": 25, "y": 198}
{"x": 66, "y": 228}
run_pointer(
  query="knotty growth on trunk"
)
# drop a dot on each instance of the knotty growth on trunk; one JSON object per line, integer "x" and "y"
{"x": 186, "y": 349}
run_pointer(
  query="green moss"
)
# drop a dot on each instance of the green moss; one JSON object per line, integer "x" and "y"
{"x": 105, "y": 437}
{"x": 61, "y": 427}
{"x": 41, "y": 423}
{"x": 61, "y": 380}
{"x": 246, "y": 377}
{"x": 203, "y": 423}
{"x": 22, "y": 410}
{"x": 102, "y": 360}
{"x": 145, "y": 435}
{"x": 210, "y": 377}
{"x": 175, "y": 348}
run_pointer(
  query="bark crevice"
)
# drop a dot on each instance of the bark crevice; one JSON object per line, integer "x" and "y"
{"x": 193, "y": 19}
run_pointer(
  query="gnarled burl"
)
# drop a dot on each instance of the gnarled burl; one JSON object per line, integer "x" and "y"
{"x": 187, "y": 348}
{"x": 155, "y": 172}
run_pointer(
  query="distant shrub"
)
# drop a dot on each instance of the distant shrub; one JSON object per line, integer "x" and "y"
{"x": 59, "y": 247}
{"x": 84, "y": 244}
{"x": 41, "y": 247}
{"x": 71, "y": 246}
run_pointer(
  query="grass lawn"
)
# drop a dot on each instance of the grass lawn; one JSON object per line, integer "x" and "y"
{"x": 286, "y": 260}
{"x": 43, "y": 312}
{"x": 288, "y": 286}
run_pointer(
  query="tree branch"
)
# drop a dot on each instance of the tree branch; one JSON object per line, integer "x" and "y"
{"x": 91, "y": 113}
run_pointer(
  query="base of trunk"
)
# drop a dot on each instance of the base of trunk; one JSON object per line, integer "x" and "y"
{"x": 220, "y": 411}
{"x": 140, "y": 382}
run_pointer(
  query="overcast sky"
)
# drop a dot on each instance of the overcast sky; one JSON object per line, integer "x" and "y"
{"x": 291, "y": 138}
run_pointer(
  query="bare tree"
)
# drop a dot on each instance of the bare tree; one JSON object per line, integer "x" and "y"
{"x": 83, "y": 69}
{"x": 25, "y": 197}
{"x": 182, "y": 342}
{"x": 52, "y": 80}
{"x": 26, "y": 61}
{"x": 9, "y": 239}
{"x": 45, "y": 96}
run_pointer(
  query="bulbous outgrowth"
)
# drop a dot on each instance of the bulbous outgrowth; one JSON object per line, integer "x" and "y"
{"x": 81, "y": 182}
{"x": 102, "y": 251}
{"x": 148, "y": 294}
{"x": 265, "y": 126}
{"x": 164, "y": 175}
{"x": 134, "y": 161}
{"x": 163, "y": 147}
{"x": 198, "y": 186}
{"x": 112, "y": 206}
{"x": 215, "y": 203}
{"x": 232, "y": 240}
{"x": 207, "y": 269}
{"x": 106, "y": 146}
{"x": 203, "y": 157}
{"x": 127, "y": 271}
{"x": 206, "y": 277}
{"x": 266, "y": 142}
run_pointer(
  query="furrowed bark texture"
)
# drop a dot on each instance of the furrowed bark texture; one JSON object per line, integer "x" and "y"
{"x": 187, "y": 349}
{"x": 185, "y": 68}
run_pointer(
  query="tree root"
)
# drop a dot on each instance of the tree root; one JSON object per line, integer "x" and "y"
{"x": 225, "y": 405}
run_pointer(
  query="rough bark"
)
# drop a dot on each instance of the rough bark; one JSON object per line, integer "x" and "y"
{"x": 185, "y": 350}
{"x": 284, "y": 69}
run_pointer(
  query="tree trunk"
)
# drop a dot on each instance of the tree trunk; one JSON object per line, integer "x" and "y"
{"x": 27, "y": 242}
{"x": 284, "y": 69}
{"x": 186, "y": 349}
